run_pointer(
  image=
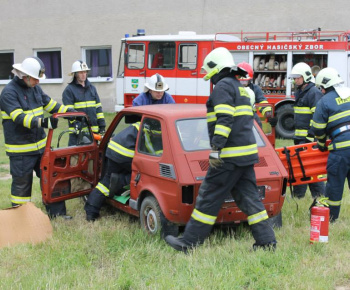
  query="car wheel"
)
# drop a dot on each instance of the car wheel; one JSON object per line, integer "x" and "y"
{"x": 285, "y": 123}
{"x": 150, "y": 216}
{"x": 276, "y": 221}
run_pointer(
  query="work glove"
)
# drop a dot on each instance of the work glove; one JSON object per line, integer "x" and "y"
{"x": 322, "y": 148}
{"x": 49, "y": 122}
{"x": 273, "y": 121}
{"x": 102, "y": 130}
{"x": 77, "y": 126}
{"x": 214, "y": 158}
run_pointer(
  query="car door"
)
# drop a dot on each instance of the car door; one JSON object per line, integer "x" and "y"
{"x": 69, "y": 171}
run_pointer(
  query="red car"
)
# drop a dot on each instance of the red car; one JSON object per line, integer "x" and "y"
{"x": 164, "y": 184}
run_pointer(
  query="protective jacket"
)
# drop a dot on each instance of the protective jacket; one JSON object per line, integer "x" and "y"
{"x": 121, "y": 148}
{"x": 304, "y": 107}
{"x": 230, "y": 122}
{"x": 332, "y": 113}
{"x": 146, "y": 99}
{"x": 21, "y": 108}
{"x": 85, "y": 99}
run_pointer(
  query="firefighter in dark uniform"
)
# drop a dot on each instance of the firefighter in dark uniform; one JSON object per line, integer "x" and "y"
{"x": 22, "y": 104}
{"x": 119, "y": 153}
{"x": 234, "y": 152}
{"x": 82, "y": 96}
{"x": 306, "y": 98}
{"x": 332, "y": 118}
{"x": 258, "y": 94}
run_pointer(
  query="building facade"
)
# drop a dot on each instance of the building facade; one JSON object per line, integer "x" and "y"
{"x": 61, "y": 32}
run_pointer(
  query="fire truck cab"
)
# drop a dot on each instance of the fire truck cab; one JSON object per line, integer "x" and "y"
{"x": 271, "y": 54}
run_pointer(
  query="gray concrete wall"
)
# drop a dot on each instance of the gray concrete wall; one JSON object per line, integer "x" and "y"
{"x": 70, "y": 25}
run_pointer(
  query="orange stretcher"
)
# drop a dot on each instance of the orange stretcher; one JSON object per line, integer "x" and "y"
{"x": 305, "y": 163}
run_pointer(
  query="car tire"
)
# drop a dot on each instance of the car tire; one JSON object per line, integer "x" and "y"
{"x": 285, "y": 124}
{"x": 276, "y": 221}
{"x": 150, "y": 216}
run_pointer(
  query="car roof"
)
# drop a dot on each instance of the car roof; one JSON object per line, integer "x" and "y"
{"x": 171, "y": 111}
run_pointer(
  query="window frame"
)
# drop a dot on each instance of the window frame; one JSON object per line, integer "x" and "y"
{"x": 6, "y": 81}
{"x": 52, "y": 80}
{"x": 98, "y": 79}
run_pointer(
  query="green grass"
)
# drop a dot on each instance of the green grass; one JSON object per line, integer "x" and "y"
{"x": 113, "y": 253}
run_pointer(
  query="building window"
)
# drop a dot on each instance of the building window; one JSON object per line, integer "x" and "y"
{"x": 6, "y": 62}
{"x": 99, "y": 60}
{"x": 53, "y": 65}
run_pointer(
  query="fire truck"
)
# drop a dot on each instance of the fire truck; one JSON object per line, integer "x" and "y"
{"x": 272, "y": 55}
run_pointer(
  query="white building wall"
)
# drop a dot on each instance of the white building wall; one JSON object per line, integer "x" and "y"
{"x": 71, "y": 25}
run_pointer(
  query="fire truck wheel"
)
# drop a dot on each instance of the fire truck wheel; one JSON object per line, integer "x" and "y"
{"x": 276, "y": 221}
{"x": 285, "y": 124}
{"x": 150, "y": 216}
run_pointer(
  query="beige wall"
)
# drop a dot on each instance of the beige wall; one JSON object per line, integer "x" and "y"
{"x": 70, "y": 25}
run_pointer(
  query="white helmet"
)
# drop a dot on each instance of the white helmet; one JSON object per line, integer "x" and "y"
{"x": 216, "y": 60}
{"x": 328, "y": 77}
{"x": 32, "y": 66}
{"x": 156, "y": 83}
{"x": 302, "y": 69}
{"x": 78, "y": 65}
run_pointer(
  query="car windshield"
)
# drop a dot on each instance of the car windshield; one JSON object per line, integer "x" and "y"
{"x": 193, "y": 134}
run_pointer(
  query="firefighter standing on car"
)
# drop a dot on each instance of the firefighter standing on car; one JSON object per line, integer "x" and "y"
{"x": 257, "y": 95}
{"x": 154, "y": 93}
{"x": 306, "y": 98}
{"x": 234, "y": 152}
{"x": 22, "y": 104}
{"x": 81, "y": 95}
{"x": 119, "y": 153}
{"x": 332, "y": 118}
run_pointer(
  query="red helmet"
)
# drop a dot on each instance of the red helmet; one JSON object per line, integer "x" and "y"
{"x": 248, "y": 68}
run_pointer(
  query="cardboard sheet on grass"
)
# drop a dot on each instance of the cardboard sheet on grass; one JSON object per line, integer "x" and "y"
{"x": 24, "y": 224}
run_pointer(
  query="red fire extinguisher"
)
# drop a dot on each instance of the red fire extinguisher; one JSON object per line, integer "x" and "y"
{"x": 319, "y": 221}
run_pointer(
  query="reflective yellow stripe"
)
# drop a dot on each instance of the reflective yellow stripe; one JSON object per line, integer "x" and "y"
{"x": 334, "y": 203}
{"x": 339, "y": 116}
{"x": 87, "y": 104}
{"x": 319, "y": 125}
{"x": 36, "y": 112}
{"x": 224, "y": 109}
{"x": 211, "y": 117}
{"x": 302, "y": 110}
{"x": 266, "y": 109}
{"x": 258, "y": 217}
{"x": 98, "y": 105}
{"x": 20, "y": 199}
{"x": 100, "y": 116}
{"x": 14, "y": 114}
{"x": 94, "y": 129}
{"x": 27, "y": 121}
{"x": 62, "y": 109}
{"x": 203, "y": 218}
{"x": 239, "y": 151}
{"x": 25, "y": 147}
{"x": 243, "y": 110}
{"x": 121, "y": 149}
{"x": 70, "y": 106}
{"x": 243, "y": 92}
{"x": 339, "y": 145}
{"x": 222, "y": 130}
{"x": 49, "y": 107}
{"x": 104, "y": 190}
{"x": 300, "y": 132}
{"x": 4, "y": 115}
{"x": 137, "y": 125}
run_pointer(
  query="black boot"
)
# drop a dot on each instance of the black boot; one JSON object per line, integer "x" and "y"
{"x": 178, "y": 244}
{"x": 91, "y": 217}
{"x": 266, "y": 247}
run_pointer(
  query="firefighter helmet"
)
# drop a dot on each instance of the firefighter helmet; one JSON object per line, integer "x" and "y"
{"x": 328, "y": 77}
{"x": 77, "y": 66}
{"x": 248, "y": 68}
{"x": 156, "y": 83}
{"x": 302, "y": 69}
{"x": 216, "y": 60}
{"x": 32, "y": 66}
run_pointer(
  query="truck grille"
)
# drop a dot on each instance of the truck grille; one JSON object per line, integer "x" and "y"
{"x": 204, "y": 164}
{"x": 167, "y": 170}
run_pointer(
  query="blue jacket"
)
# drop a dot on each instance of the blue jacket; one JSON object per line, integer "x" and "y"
{"x": 146, "y": 99}
{"x": 332, "y": 112}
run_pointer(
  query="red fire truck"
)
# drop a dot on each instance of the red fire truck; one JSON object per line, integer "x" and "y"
{"x": 272, "y": 55}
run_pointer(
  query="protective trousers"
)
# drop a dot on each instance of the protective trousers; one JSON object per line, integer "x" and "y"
{"x": 102, "y": 190}
{"x": 317, "y": 189}
{"x": 338, "y": 169}
{"x": 21, "y": 169}
{"x": 241, "y": 183}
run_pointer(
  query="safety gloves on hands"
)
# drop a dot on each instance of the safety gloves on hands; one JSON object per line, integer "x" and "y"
{"x": 321, "y": 148}
{"x": 102, "y": 130}
{"x": 48, "y": 122}
{"x": 214, "y": 158}
{"x": 272, "y": 120}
